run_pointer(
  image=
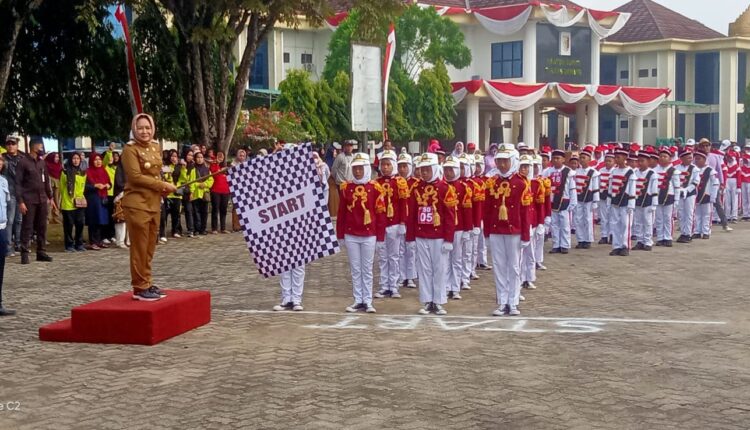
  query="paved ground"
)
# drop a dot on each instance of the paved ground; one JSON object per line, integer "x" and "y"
{"x": 656, "y": 340}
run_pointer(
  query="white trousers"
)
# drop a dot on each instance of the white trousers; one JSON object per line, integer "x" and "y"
{"x": 292, "y": 284}
{"x": 664, "y": 222}
{"x": 466, "y": 259}
{"x": 687, "y": 211}
{"x": 454, "y": 270}
{"x": 388, "y": 256}
{"x": 537, "y": 241}
{"x": 644, "y": 225}
{"x": 361, "y": 255}
{"x": 732, "y": 199}
{"x": 745, "y": 199}
{"x": 482, "y": 248}
{"x": 474, "y": 253}
{"x": 407, "y": 256}
{"x": 431, "y": 262}
{"x": 604, "y": 220}
{"x": 703, "y": 218}
{"x": 506, "y": 261}
{"x": 528, "y": 259}
{"x": 121, "y": 232}
{"x": 584, "y": 220}
{"x": 619, "y": 226}
{"x": 560, "y": 229}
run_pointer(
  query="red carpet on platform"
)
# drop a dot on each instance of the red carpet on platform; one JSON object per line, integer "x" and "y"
{"x": 120, "y": 319}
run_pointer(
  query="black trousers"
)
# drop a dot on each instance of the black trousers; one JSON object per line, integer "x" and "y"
{"x": 3, "y": 251}
{"x": 720, "y": 211}
{"x": 95, "y": 233}
{"x": 73, "y": 221}
{"x": 189, "y": 215}
{"x": 34, "y": 220}
{"x": 170, "y": 208}
{"x": 219, "y": 205}
{"x": 200, "y": 218}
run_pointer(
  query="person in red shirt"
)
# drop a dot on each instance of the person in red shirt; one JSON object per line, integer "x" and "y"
{"x": 360, "y": 224}
{"x": 507, "y": 227}
{"x": 480, "y": 258}
{"x": 396, "y": 194}
{"x": 219, "y": 195}
{"x": 732, "y": 176}
{"x": 464, "y": 225}
{"x": 432, "y": 223}
{"x": 407, "y": 251}
{"x": 543, "y": 205}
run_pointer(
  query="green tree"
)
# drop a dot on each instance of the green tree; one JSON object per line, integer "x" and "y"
{"x": 431, "y": 109}
{"x": 13, "y": 15}
{"x": 746, "y": 114}
{"x": 299, "y": 94}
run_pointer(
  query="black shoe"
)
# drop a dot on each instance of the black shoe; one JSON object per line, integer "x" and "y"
{"x": 614, "y": 252}
{"x": 586, "y": 245}
{"x": 579, "y": 245}
{"x": 633, "y": 237}
{"x": 146, "y": 295}
{"x": 603, "y": 241}
{"x": 5, "y": 312}
{"x": 563, "y": 250}
{"x": 573, "y": 231}
{"x": 705, "y": 236}
{"x": 659, "y": 243}
{"x": 696, "y": 236}
{"x": 683, "y": 239}
{"x": 624, "y": 252}
{"x": 668, "y": 243}
{"x": 158, "y": 291}
{"x": 42, "y": 256}
{"x": 646, "y": 248}
{"x": 638, "y": 246}
{"x": 450, "y": 294}
{"x": 25, "y": 258}
{"x": 555, "y": 251}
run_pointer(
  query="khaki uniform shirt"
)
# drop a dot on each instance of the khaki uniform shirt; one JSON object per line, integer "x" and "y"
{"x": 143, "y": 188}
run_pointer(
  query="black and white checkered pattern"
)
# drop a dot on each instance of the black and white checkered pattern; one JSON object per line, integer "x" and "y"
{"x": 295, "y": 242}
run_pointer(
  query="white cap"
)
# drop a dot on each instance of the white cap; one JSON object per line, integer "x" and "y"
{"x": 427, "y": 159}
{"x": 360, "y": 159}
{"x": 690, "y": 142}
{"x": 388, "y": 154}
{"x": 451, "y": 161}
{"x": 525, "y": 159}
{"x": 537, "y": 159}
{"x": 505, "y": 150}
{"x": 465, "y": 158}
{"x": 725, "y": 144}
{"x": 522, "y": 145}
{"x": 478, "y": 159}
{"x": 404, "y": 158}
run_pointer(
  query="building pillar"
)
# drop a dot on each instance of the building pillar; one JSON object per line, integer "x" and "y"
{"x": 484, "y": 135}
{"x": 666, "y": 63}
{"x": 529, "y": 52}
{"x": 472, "y": 118}
{"x": 534, "y": 143}
{"x": 689, "y": 94}
{"x": 563, "y": 124}
{"x": 580, "y": 137}
{"x": 728, "y": 95}
{"x": 595, "y": 55}
{"x": 636, "y": 127}
{"x": 529, "y": 129}
{"x": 515, "y": 123}
{"x": 592, "y": 123}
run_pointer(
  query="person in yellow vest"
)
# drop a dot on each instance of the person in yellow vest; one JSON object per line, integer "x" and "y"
{"x": 174, "y": 173}
{"x": 200, "y": 193}
{"x": 73, "y": 204}
{"x": 141, "y": 160}
{"x": 110, "y": 165}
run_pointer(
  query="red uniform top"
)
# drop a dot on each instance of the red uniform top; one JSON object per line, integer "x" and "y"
{"x": 733, "y": 172}
{"x": 506, "y": 208}
{"x": 533, "y": 210}
{"x": 542, "y": 202}
{"x": 220, "y": 185}
{"x": 396, "y": 192}
{"x": 744, "y": 175}
{"x": 361, "y": 210}
{"x": 464, "y": 213}
{"x": 477, "y": 199}
{"x": 432, "y": 211}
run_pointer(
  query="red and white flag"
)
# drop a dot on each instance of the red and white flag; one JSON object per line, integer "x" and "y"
{"x": 135, "y": 91}
{"x": 390, "y": 53}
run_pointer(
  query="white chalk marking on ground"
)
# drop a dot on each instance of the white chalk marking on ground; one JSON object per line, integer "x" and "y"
{"x": 569, "y": 319}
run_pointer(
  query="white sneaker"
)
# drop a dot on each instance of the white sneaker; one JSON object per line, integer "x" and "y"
{"x": 354, "y": 307}
{"x": 176, "y": 235}
{"x": 163, "y": 239}
{"x": 456, "y": 296}
{"x": 465, "y": 286}
{"x": 370, "y": 309}
{"x": 514, "y": 312}
{"x": 728, "y": 229}
{"x": 500, "y": 311}
{"x": 540, "y": 266}
{"x": 281, "y": 307}
{"x": 474, "y": 277}
{"x": 395, "y": 294}
{"x": 439, "y": 310}
{"x": 425, "y": 310}
{"x": 380, "y": 294}
{"x": 410, "y": 284}
{"x": 106, "y": 241}
{"x": 297, "y": 307}
{"x": 521, "y": 298}
{"x": 530, "y": 285}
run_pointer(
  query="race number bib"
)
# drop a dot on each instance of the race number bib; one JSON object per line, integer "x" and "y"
{"x": 425, "y": 216}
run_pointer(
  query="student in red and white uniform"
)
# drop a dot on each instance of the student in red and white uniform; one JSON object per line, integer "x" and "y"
{"x": 707, "y": 192}
{"x": 478, "y": 245}
{"x": 536, "y": 212}
{"x": 396, "y": 193}
{"x": 360, "y": 224}
{"x": 587, "y": 188}
{"x": 744, "y": 180}
{"x": 467, "y": 171}
{"x": 543, "y": 203}
{"x": 669, "y": 184}
{"x": 407, "y": 252}
{"x": 689, "y": 177}
{"x": 432, "y": 223}
{"x": 621, "y": 200}
{"x": 604, "y": 172}
{"x": 464, "y": 218}
{"x": 646, "y": 192}
{"x": 732, "y": 193}
{"x": 507, "y": 227}
{"x": 564, "y": 198}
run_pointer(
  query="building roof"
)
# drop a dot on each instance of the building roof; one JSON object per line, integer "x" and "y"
{"x": 478, "y": 4}
{"x": 652, "y": 21}
{"x": 741, "y": 26}
{"x": 344, "y": 5}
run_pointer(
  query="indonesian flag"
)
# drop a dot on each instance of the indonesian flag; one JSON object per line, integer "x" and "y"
{"x": 390, "y": 52}
{"x": 134, "y": 89}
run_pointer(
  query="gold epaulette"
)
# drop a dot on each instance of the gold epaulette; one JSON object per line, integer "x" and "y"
{"x": 451, "y": 199}
{"x": 467, "y": 198}
{"x": 403, "y": 188}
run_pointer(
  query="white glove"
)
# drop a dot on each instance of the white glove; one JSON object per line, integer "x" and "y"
{"x": 475, "y": 231}
{"x": 630, "y": 211}
{"x": 342, "y": 242}
{"x": 402, "y": 229}
{"x": 525, "y": 244}
{"x": 595, "y": 206}
{"x": 547, "y": 220}
{"x": 447, "y": 247}
{"x": 466, "y": 236}
{"x": 380, "y": 246}
{"x": 540, "y": 229}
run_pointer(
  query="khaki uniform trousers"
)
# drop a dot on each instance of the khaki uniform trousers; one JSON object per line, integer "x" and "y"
{"x": 143, "y": 229}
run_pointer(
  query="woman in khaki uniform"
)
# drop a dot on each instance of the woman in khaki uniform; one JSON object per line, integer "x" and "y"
{"x": 144, "y": 189}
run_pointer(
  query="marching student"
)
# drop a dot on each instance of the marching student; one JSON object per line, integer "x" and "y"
{"x": 407, "y": 253}
{"x": 543, "y": 203}
{"x": 480, "y": 259}
{"x": 706, "y": 194}
{"x": 467, "y": 169}
{"x": 621, "y": 201}
{"x": 432, "y": 223}
{"x": 744, "y": 180}
{"x": 732, "y": 185}
{"x": 646, "y": 191}
{"x": 587, "y": 189}
{"x": 534, "y": 188}
{"x": 360, "y": 224}
{"x": 605, "y": 169}
{"x": 507, "y": 227}
{"x": 464, "y": 224}
{"x": 669, "y": 184}
{"x": 396, "y": 192}
{"x": 564, "y": 198}
{"x": 689, "y": 178}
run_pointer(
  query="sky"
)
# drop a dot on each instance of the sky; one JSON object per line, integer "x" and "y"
{"x": 716, "y": 14}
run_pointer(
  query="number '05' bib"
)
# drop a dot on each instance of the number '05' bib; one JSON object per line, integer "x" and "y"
{"x": 425, "y": 215}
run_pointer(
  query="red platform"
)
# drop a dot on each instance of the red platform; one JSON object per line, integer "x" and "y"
{"x": 120, "y": 319}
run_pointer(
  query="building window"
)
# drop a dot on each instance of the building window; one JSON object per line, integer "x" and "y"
{"x": 653, "y": 123}
{"x": 624, "y": 74}
{"x": 259, "y": 71}
{"x": 645, "y": 123}
{"x": 624, "y": 124}
{"x": 286, "y": 58}
{"x": 643, "y": 73}
{"x": 306, "y": 59}
{"x": 653, "y": 73}
{"x": 507, "y": 60}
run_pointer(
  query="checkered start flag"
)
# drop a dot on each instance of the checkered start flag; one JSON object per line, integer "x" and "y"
{"x": 283, "y": 210}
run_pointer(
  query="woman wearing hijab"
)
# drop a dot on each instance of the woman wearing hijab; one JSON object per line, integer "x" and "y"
{"x": 324, "y": 172}
{"x": 219, "y": 195}
{"x": 200, "y": 194}
{"x": 361, "y": 223}
{"x": 407, "y": 250}
{"x": 73, "y": 203}
{"x": 171, "y": 172}
{"x": 118, "y": 215}
{"x": 458, "y": 149}
{"x": 187, "y": 166}
{"x": 54, "y": 167}
{"x": 240, "y": 158}
{"x": 144, "y": 190}
{"x": 110, "y": 160}
{"x": 97, "y": 188}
